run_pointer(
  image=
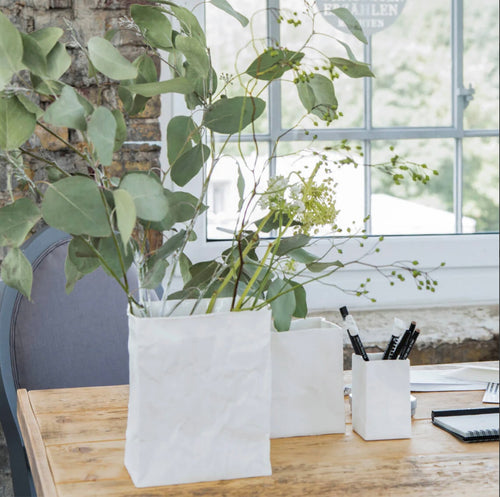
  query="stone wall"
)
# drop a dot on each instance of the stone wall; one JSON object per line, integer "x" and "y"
{"x": 448, "y": 334}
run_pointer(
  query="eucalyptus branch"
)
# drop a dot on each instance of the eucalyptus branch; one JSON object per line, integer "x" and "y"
{"x": 105, "y": 265}
{"x": 65, "y": 142}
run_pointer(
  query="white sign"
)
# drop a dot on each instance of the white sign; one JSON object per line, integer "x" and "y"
{"x": 373, "y": 15}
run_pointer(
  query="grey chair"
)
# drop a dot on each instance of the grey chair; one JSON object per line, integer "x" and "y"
{"x": 57, "y": 340}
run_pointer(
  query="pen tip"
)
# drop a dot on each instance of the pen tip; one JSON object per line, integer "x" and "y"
{"x": 343, "y": 311}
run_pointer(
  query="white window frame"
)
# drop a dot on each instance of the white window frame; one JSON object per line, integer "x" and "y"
{"x": 471, "y": 274}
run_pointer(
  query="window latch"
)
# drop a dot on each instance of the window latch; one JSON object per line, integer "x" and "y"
{"x": 467, "y": 94}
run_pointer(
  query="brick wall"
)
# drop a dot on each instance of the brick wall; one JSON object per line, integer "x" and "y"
{"x": 87, "y": 18}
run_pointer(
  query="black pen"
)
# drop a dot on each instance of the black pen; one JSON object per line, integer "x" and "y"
{"x": 398, "y": 328}
{"x": 390, "y": 347}
{"x": 356, "y": 342}
{"x": 403, "y": 341}
{"x": 411, "y": 343}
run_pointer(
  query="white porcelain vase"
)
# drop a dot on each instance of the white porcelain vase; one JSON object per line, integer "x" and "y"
{"x": 200, "y": 395}
{"x": 307, "y": 379}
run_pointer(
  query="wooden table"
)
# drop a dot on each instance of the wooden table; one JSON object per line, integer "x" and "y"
{"x": 75, "y": 441}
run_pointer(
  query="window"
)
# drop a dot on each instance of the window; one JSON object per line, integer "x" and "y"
{"x": 434, "y": 99}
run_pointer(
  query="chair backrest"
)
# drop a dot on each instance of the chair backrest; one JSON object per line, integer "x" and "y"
{"x": 57, "y": 340}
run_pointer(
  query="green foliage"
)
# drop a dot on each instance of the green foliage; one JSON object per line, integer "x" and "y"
{"x": 108, "y": 60}
{"x": 224, "y": 5}
{"x": 16, "y": 220}
{"x": 317, "y": 95}
{"x": 126, "y": 213}
{"x": 189, "y": 164}
{"x": 147, "y": 194}
{"x": 67, "y": 111}
{"x": 273, "y": 64}
{"x": 110, "y": 219}
{"x": 155, "y": 27}
{"x": 102, "y": 133}
{"x": 233, "y": 115}
{"x": 16, "y": 123}
{"x": 11, "y": 50}
{"x": 181, "y": 132}
{"x": 75, "y": 205}
{"x": 16, "y": 272}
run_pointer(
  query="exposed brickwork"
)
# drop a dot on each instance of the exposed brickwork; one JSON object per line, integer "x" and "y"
{"x": 87, "y": 18}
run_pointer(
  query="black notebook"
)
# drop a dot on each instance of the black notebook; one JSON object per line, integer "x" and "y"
{"x": 470, "y": 425}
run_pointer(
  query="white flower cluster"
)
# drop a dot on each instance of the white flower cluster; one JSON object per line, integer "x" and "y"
{"x": 283, "y": 196}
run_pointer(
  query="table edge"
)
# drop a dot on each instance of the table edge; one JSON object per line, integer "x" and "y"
{"x": 35, "y": 448}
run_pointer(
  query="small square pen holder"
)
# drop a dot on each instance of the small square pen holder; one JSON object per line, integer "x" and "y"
{"x": 381, "y": 404}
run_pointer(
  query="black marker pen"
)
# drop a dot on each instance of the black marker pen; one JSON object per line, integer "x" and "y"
{"x": 390, "y": 347}
{"x": 411, "y": 343}
{"x": 350, "y": 325}
{"x": 401, "y": 346}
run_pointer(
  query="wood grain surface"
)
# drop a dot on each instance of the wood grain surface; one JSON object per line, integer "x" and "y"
{"x": 76, "y": 437}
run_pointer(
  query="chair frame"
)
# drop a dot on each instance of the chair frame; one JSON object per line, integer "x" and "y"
{"x": 34, "y": 249}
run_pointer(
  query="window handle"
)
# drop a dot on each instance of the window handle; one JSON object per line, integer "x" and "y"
{"x": 467, "y": 94}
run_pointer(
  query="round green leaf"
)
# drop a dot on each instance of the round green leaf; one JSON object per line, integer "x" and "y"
{"x": 353, "y": 68}
{"x": 58, "y": 61}
{"x": 16, "y": 220}
{"x": 282, "y": 307}
{"x": 189, "y": 23}
{"x": 318, "y": 267}
{"x": 125, "y": 213}
{"x": 147, "y": 193}
{"x": 155, "y": 273}
{"x": 75, "y": 205}
{"x": 47, "y": 38}
{"x": 108, "y": 60}
{"x": 182, "y": 205}
{"x": 33, "y": 56}
{"x": 11, "y": 50}
{"x": 17, "y": 124}
{"x": 226, "y": 7}
{"x": 300, "y": 301}
{"x": 325, "y": 101}
{"x": 17, "y": 273}
{"x": 351, "y": 22}
{"x": 82, "y": 256}
{"x": 232, "y": 115}
{"x": 107, "y": 249}
{"x": 292, "y": 243}
{"x": 189, "y": 164}
{"x": 176, "y": 85}
{"x": 306, "y": 95}
{"x": 155, "y": 27}
{"x": 102, "y": 132}
{"x": 273, "y": 63}
{"x": 121, "y": 129}
{"x": 72, "y": 275}
{"x": 30, "y": 106}
{"x": 67, "y": 111}
{"x": 181, "y": 131}
{"x": 195, "y": 53}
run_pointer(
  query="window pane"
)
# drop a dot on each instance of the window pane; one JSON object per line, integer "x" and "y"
{"x": 349, "y": 91}
{"x": 412, "y": 65}
{"x": 232, "y": 50}
{"x": 412, "y": 207}
{"x": 480, "y": 192}
{"x": 481, "y": 62}
{"x": 346, "y": 180}
{"x": 223, "y": 197}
